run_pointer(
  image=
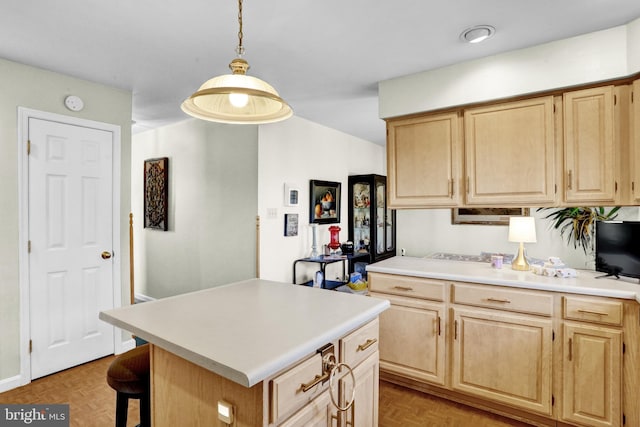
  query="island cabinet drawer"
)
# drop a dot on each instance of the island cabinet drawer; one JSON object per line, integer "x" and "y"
{"x": 359, "y": 344}
{"x": 593, "y": 310}
{"x": 522, "y": 301}
{"x": 287, "y": 393}
{"x": 409, "y": 286}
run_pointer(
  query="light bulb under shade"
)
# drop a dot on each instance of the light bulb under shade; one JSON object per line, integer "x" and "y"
{"x": 212, "y": 101}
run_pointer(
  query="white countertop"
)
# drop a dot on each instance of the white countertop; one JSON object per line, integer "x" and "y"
{"x": 478, "y": 272}
{"x": 247, "y": 331}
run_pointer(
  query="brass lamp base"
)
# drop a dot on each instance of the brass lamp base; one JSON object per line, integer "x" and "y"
{"x": 520, "y": 263}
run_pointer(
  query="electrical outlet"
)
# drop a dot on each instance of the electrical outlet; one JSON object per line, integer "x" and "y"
{"x": 402, "y": 251}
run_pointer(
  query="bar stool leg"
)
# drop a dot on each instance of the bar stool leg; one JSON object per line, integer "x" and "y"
{"x": 122, "y": 405}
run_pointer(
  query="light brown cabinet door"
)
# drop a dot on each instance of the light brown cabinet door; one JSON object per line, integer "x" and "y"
{"x": 503, "y": 357}
{"x": 423, "y": 161}
{"x": 635, "y": 143}
{"x": 364, "y": 411}
{"x": 510, "y": 153}
{"x": 317, "y": 413}
{"x": 412, "y": 339}
{"x": 592, "y": 375}
{"x": 589, "y": 146}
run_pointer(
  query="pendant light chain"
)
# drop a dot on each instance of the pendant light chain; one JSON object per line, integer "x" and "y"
{"x": 240, "y": 49}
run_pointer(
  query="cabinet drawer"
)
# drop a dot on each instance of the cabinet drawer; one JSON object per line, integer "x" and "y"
{"x": 593, "y": 310}
{"x": 286, "y": 389}
{"x": 522, "y": 301}
{"x": 407, "y": 286}
{"x": 359, "y": 344}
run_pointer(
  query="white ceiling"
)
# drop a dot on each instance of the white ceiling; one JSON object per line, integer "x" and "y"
{"x": 325, "y": 57}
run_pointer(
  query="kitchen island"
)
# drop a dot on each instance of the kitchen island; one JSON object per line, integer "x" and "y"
{"x": 252, "y": 344}
{"x": 547, "y": 350}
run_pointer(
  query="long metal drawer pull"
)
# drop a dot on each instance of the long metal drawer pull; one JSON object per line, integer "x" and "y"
{"x": 599, "y": 313}
{"x": 328, "y": 364}
{"x": 366, "y": 345}
{"x": 403, "y": 288}
{"x": 505, "y": 301}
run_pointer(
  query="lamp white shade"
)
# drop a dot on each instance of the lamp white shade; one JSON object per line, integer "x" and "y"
{"x": 522, "y": 229}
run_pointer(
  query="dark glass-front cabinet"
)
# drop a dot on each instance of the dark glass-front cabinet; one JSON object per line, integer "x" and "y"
{"x": 372, "y": 225}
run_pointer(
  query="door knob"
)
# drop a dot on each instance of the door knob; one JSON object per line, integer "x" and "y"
{"x": 105, "y": 255}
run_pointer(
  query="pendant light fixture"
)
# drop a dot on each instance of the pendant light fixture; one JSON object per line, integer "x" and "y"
{"x": 237, "y": 98}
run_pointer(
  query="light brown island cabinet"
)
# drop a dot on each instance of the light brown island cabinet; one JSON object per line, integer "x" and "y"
{"x": 510, "y": 153}
{"x": 186, "y": 394}
{"x": 544, "y": 357}
{"x": 412, "y": 334}
{"x": 592, "y": 362}
{"x": 590, "y": 146}
{"x": 424, "y": 161}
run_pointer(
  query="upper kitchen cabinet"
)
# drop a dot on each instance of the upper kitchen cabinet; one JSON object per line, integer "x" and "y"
{"x": 510, "y": 153}
{"x": 424, "y": 161}
{"x": 635, "y": 143}
{"x": 589, "y": 146}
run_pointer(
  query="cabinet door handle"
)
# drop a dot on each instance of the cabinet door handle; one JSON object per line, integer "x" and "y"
{"x": 569, "y": 179}
{"x": 305, "y": 387}
{"x": 439, "y": 320}
{"x": 503, "y": 301}
{"x": 598, "y": 313}
{"x": 467, "y": 185}
{"x": 366, "y": 345}
{"x": 570, "y": 349}
{"x": 403, "y": 288}
{"x": 455, "y": 329}
{"x": 451, "y": 188}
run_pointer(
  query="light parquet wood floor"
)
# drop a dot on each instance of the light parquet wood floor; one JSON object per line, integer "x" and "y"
{"x": 92, "y": 402}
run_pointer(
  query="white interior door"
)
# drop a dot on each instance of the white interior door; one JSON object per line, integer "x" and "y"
{"x": 70, "y": 226}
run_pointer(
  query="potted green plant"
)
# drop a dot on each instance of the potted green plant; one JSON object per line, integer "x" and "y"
{"x": 577, "y": 224}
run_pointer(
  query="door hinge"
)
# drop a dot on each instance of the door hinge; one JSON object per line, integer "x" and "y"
{"x": 28, "y": 147}
{"x": 29, "y": 246}
{"x": 30, "y": 346}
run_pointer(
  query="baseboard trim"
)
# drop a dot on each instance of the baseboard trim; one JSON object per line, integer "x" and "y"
{"x": 142, "y": 298}
{"x": 11, "y": 383}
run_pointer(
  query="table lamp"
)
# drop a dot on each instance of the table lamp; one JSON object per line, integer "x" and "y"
{"x": 522, "y": 229}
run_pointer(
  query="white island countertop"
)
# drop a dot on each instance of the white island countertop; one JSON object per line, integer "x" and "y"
{"x": 585, "y": 283}
{"x": 247, "y": 331}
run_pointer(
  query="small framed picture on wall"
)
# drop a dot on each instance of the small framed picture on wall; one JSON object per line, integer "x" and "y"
{"x": 290, "y": 225}
{"x": 324, "y": 203}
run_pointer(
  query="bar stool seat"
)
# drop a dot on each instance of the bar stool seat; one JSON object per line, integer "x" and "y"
{"x": 128, "y": 375}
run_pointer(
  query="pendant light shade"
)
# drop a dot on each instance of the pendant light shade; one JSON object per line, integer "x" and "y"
{"x": 237, "y": 98}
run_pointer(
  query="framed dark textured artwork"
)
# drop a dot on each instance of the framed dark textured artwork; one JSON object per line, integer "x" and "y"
{"x": 156, "y": 193}
{"x": 486, "y": 216}
{"x": 324, "y": 202}
{"x": 290, "y": 224}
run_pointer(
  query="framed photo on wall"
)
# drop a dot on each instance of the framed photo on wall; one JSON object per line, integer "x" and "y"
{"x": 324, "y": 202}
{"x": 486, "y": 216}
{"x": 290, "y": 224}
{"x": 156, "y": 193}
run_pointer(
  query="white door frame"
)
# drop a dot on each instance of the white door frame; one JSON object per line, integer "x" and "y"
{"x": 24, "y": 114}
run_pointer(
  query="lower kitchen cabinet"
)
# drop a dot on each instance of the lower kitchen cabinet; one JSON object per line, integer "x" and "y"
{"x": 318, "y": 413}
{"x": 504, "y": 357}
{"x": 412, "y": 339}
{"x": 364, "y": 410}
{"x": 592, "y": 366}
{"x": 547, "y": 357}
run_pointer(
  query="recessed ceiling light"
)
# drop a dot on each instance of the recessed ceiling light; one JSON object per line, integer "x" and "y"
{"x": 477, "y": 33}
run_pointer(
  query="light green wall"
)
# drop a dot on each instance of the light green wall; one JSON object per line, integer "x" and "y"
{"x": 213, "y": 203}
{"x": 30, "y": 87}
